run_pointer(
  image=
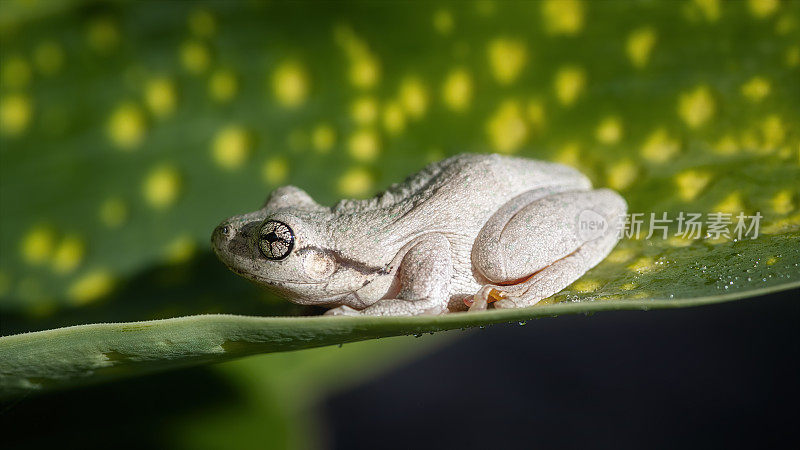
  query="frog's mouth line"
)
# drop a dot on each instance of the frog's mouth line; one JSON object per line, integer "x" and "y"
{"x": 271, "y": 281}
{"x": 288, "y": 286}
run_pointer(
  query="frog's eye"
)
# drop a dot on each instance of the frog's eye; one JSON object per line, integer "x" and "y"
{"x": 275, "y": 240}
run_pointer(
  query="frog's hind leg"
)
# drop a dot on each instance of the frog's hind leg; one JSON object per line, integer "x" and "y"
{"x": 531, "y": 251}
{"x": 554, "y": 277}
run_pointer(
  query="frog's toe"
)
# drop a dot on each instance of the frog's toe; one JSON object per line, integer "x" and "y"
{"x": 479, "y": 301}
{"x": 505, "y": 303}
{"x": 342, "y": 311}
{"x": 478, "y": 305}
{"x": 435, "y": 311}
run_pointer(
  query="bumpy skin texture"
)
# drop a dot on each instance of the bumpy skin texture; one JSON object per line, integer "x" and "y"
{"x": 469, "y": 230}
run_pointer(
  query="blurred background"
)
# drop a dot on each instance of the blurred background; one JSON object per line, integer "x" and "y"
{"x": 129, "y": 129}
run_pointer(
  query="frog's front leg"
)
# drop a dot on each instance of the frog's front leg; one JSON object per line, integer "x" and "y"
{"x": 530, "y": 251}
{"x": 424, "y": 276}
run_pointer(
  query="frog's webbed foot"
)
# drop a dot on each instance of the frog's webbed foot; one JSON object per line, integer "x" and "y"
{"x": 500, "y": 297}
{"x": 486, "y": 295}
{"x": 400, "y": 307}
{"x": 343, "y": 310}
{"x": 505, "y": 303}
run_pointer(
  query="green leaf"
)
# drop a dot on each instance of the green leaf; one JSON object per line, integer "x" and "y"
{"x": 129, "y": 131}
{"x": 89, "y": 353}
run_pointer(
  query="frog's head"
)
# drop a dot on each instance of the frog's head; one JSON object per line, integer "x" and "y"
{"x": 284, "y": 246}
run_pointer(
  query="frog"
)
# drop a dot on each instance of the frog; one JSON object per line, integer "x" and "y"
{"x": 468, "y": 233}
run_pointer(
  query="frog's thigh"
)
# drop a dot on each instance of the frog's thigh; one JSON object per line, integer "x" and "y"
{"x": 425, "y": 273}
{"x": 556, "y": 276}
{"x": 524, "y": 238}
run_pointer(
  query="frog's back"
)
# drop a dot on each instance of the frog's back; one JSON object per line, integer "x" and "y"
{"x": 459, "y": 194}
{"x": 488, "y": 177}
{"x": 505, "y": 177}
{"x": 486, "y": 182}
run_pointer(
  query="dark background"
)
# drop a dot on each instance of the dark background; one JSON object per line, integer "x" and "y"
{"x": 715, "y": 376}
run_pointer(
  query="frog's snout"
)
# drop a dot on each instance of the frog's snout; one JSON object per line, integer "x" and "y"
{"x": 221, "y": 236}
{"x": 232, "y": 239}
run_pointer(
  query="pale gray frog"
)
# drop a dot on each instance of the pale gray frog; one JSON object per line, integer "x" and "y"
{"x": 467, "y": 231}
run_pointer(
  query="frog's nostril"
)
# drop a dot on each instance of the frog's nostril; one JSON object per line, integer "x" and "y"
{"x": 222, "y": 234}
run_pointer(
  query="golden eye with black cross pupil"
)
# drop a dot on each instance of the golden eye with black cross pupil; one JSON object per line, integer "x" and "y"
{"x": 275, "y": 240}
